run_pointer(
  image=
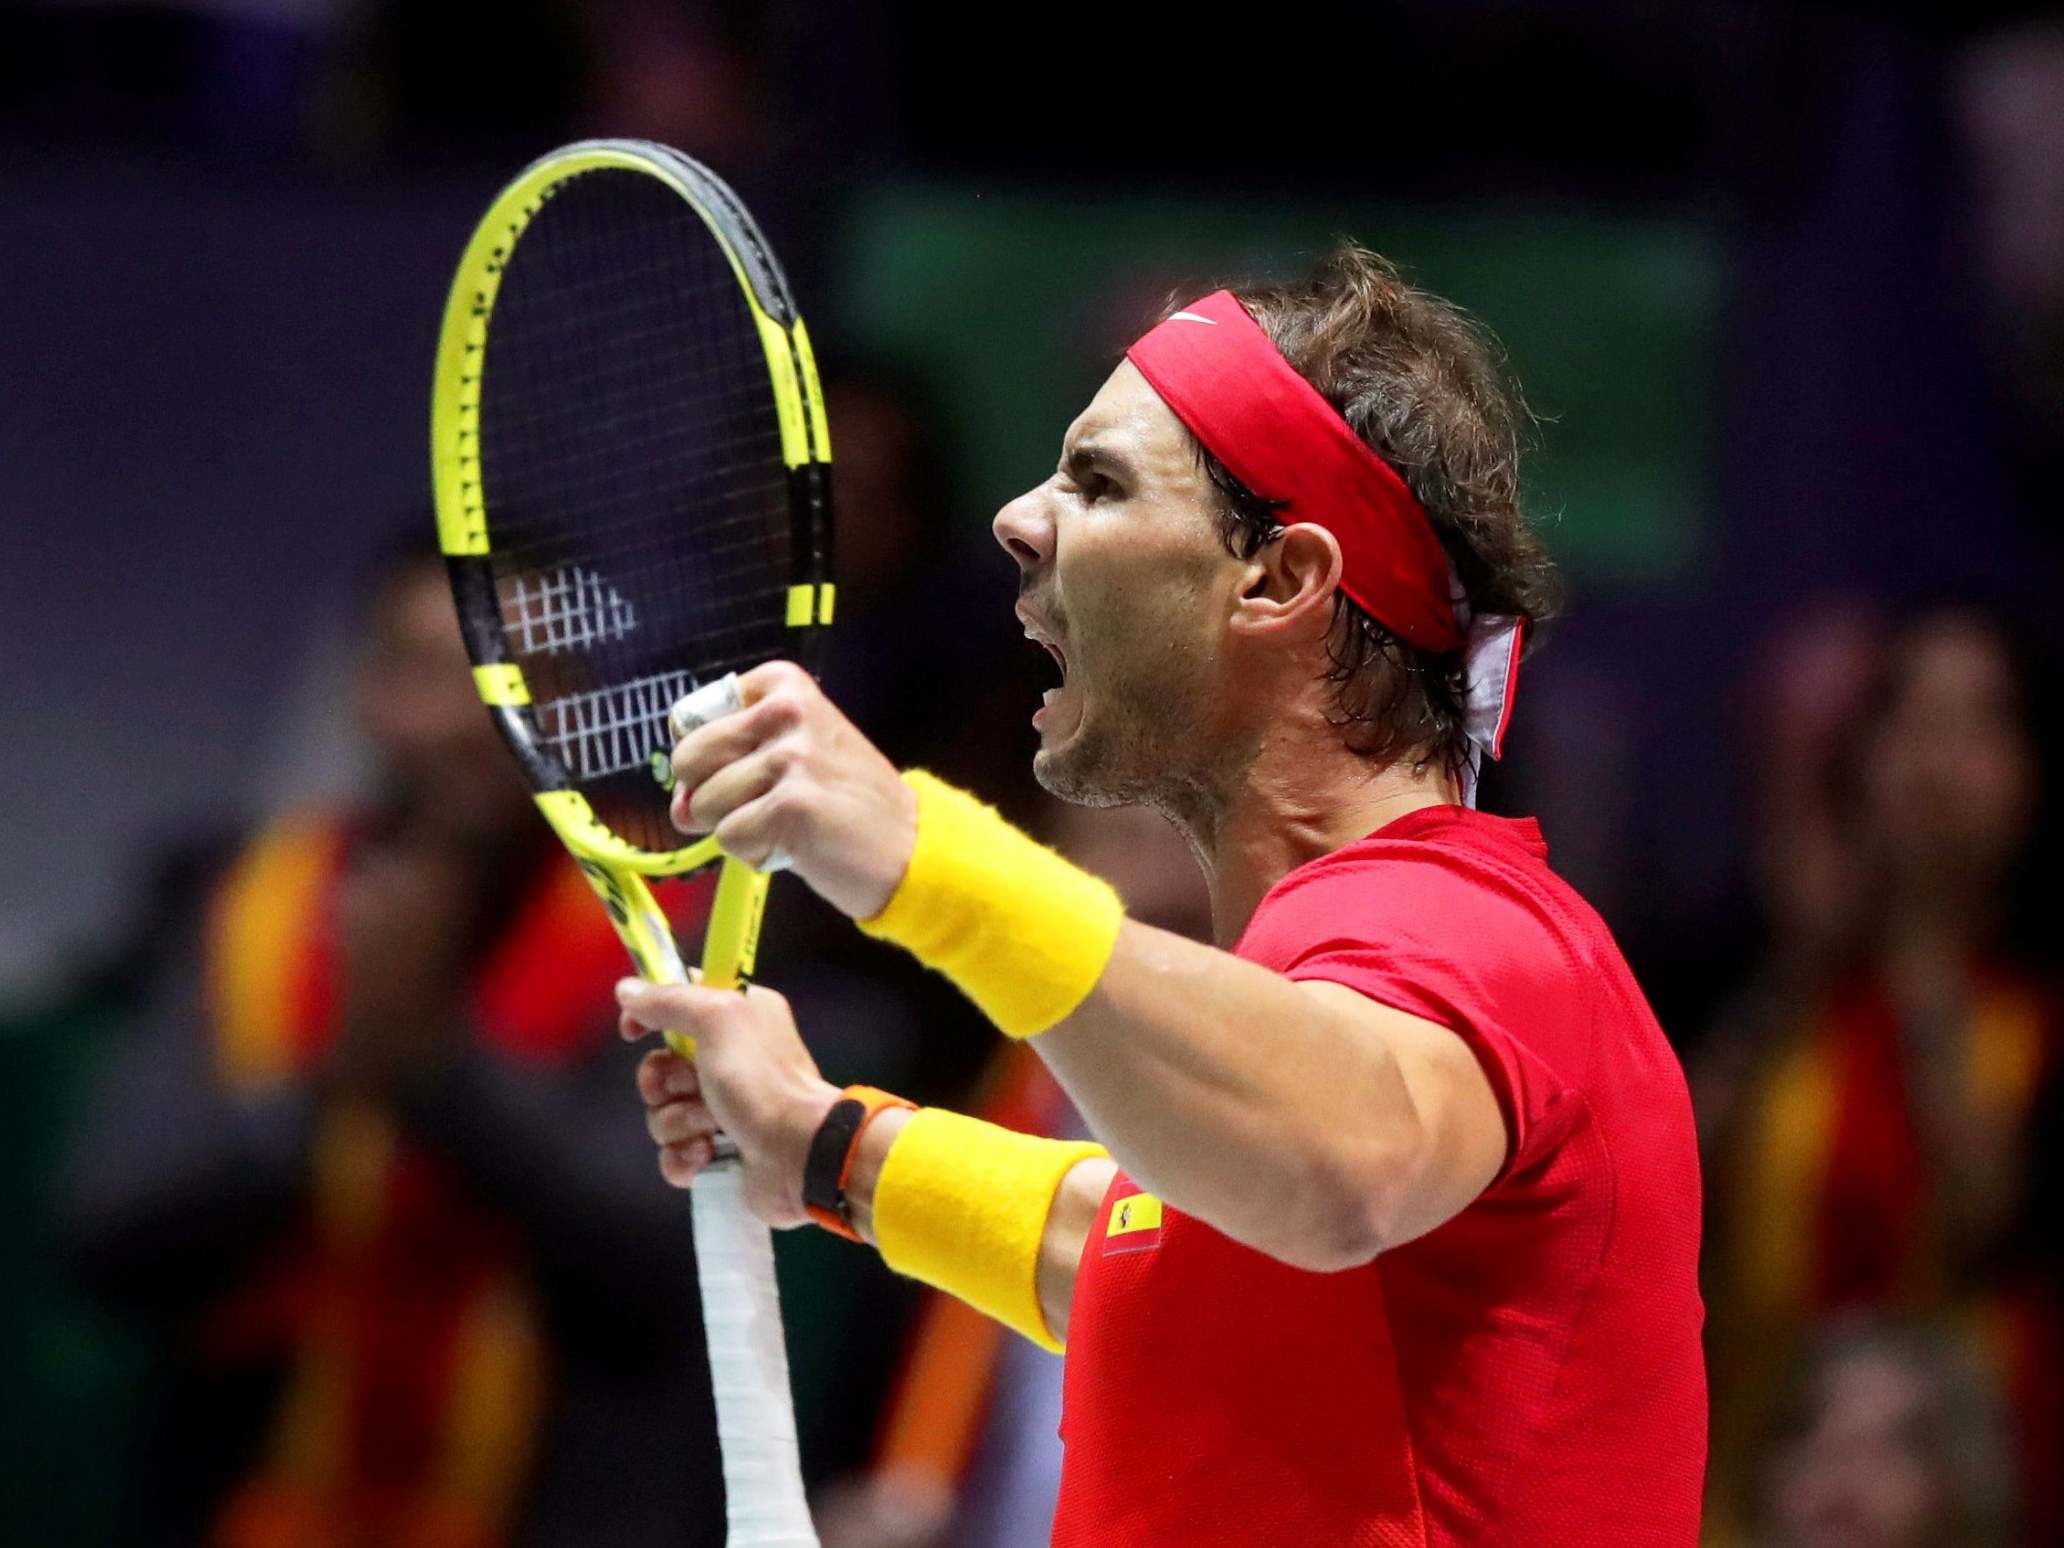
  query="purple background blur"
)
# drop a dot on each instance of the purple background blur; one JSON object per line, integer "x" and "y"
{"x": 229, "y": 226}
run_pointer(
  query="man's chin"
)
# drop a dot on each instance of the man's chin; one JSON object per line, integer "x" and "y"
{"x": 1068, "y": 769}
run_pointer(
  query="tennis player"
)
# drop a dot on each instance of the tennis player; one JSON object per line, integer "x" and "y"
{"x": 1391, "y": 1236}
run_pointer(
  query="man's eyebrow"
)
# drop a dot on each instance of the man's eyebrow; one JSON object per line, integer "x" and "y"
{"x": 1089, "y": 456}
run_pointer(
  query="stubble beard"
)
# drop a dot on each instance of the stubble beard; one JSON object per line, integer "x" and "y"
{"x": 1148, "y": 747}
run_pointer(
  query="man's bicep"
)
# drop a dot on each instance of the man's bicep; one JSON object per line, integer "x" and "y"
{"x": 1464, "y": 1137}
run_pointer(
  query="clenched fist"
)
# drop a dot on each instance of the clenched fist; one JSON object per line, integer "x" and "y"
{"x": 789, "y": 775}
{"x": 751, "y": 1078}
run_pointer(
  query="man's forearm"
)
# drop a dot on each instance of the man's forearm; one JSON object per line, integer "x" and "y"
{"x": 1240, "y": 1098}
{"x": 1233, "y": 1093}
{"x": 1259, "y": 1105}
{"x": 1068, "y": 1223}
{"x": 1069, "y": 1214}
{"x": 875, "y": 1141}
{"x": 1267, "y": 1108}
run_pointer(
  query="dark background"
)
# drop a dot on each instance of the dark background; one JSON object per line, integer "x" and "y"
{"x": 1786, "y": 284}
{"x": 1748, "y": 259}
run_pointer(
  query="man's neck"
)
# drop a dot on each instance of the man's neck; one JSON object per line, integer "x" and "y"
{"x": 1299, "y": 797}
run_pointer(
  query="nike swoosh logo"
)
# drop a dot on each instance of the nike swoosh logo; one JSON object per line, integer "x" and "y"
{"x": 1208, "y": 322}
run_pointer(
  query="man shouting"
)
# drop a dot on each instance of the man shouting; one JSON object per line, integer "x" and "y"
{"x": 1390, "y": 1232}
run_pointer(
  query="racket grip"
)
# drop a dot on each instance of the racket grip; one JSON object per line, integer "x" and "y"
{"x": 724, "y": 1151}
{"x": 741, "y": 1318}
{"x": 713, "y": 701}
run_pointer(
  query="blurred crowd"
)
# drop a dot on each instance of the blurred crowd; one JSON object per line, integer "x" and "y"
{"x": 1878, "y": 1103}
{"x": 367, "y": 1195}
{"x": 333, "y": 1224}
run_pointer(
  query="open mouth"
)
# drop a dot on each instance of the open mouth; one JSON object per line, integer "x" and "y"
{"x": 1038, "y": 636}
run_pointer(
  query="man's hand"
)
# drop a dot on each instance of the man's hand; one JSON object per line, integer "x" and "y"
{"x": 751, "y": 1077}
{"x": 789, "y": 775}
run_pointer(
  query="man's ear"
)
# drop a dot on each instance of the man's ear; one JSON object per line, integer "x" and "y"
{"x": 1289, "y": 584}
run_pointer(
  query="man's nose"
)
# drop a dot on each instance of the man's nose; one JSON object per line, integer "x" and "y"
{"x": 1025, "y": 530}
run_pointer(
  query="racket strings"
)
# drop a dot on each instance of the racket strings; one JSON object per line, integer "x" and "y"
{"x": 632, "y": 470}
{"x": 609, "y": 730}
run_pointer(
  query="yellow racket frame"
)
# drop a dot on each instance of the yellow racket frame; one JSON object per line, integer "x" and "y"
{"x": 616, "y": 869}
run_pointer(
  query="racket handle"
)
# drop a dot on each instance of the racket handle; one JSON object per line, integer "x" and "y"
{"x": 730, "y": 944}
{"x": 713, "y": 701}
{"x": 741, "y": 1318}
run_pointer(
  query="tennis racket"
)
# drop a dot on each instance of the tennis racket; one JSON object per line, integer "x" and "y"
{"x": 632, "y": 473}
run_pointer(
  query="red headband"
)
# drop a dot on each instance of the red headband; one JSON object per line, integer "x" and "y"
{"x": 1218, "y": 371}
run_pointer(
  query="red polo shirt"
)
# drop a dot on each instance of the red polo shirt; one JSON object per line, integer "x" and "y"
{"x": 1528, "y": 1373}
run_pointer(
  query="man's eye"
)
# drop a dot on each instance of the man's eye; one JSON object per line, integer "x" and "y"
{"x": 1089, "y": 487}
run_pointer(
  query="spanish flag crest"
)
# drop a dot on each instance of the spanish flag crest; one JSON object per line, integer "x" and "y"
{"x": 1135, "y": 1224}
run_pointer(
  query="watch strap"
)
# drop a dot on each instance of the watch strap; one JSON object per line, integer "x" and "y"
{"x": 829, "y": 1163}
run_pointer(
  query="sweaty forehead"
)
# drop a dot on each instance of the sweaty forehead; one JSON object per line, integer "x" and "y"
{"x": 1128, "y": 419}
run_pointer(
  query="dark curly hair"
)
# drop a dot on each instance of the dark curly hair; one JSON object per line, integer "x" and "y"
{"x": 1427, "y": 388}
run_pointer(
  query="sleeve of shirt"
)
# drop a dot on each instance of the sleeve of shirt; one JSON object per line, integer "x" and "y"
{"x": 1447, "y": 950}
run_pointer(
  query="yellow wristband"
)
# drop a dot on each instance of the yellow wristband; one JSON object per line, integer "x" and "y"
{"x": 962, "y": 1205}
{"x": 1023, "y": 932}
